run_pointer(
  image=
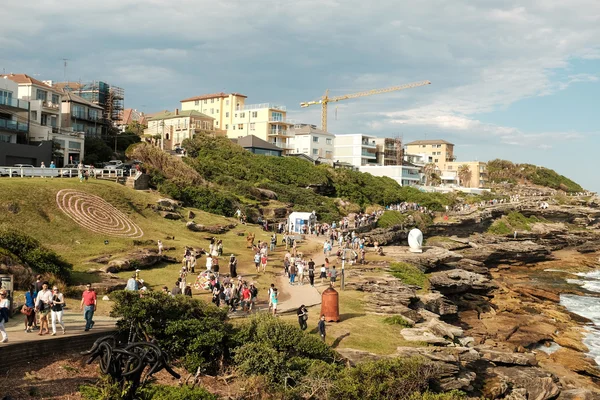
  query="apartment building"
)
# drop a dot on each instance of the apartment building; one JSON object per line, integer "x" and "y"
{"x": 355, "y": 149}
{"x": 315, "y": 143}
{"x": 172, "y": 128}
{"x": 81, "y": 115}
{"x": 130, "y": 115}
{"x": 405, "y": 175}
{"x": 477, "y": 171}
{"x": 14, "y": 113}
{"x": 436, "y": 151}
{"x": 389, "y": 151}
{"x": 231, "y": 113}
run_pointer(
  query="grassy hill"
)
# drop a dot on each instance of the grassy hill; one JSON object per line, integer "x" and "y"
{"x": 29, "y": 206}
{"x": 506, "y": 171}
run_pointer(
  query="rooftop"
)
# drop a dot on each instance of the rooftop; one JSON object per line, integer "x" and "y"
{"x": 70, "y": 96}
{"x": 435, "y": 141}
{"x": 308, "y": 129}
{"x": 178, "y": 114}
{"x": 24, "y": 79}
{"x": 212, "y": 96}
{"x": 252, "y": 141}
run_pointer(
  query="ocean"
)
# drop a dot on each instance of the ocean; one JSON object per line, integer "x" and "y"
{"x": 588, "y": 307}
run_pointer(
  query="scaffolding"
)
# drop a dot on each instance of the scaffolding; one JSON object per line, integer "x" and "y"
{"x": 110, "y": 98}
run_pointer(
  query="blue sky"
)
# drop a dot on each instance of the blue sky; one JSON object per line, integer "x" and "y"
{"x": 515, "y": 80}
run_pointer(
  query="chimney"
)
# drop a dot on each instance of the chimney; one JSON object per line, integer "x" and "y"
{"x": 177, "y": 111}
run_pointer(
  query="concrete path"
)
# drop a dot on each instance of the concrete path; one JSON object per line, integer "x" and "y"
{"x": 74, "y": 325}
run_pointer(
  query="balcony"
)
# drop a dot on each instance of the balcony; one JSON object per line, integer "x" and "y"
{"x": 10, "y": 125}
{"x": 14, "y": 103}
{"x": 48, "y": 105}
{"x": 367, "y": 154}
{"x": 280, "y": 132}
{"x": 269, "y": 106}
{"x": 282, "y": 145}
{"x": 369, "y": 143}
{"x": 84, "y": 116}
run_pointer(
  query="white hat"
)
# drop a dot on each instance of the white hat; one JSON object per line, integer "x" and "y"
{"x": 144, "y": 288}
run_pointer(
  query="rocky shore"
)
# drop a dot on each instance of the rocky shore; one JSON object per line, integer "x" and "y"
{"x": 492, "y": 320}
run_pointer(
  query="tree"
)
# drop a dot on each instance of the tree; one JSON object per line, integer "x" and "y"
{"x": 431, "y": 174}
{"x": 96, "y": 151}
{"x": 465, "y": 174}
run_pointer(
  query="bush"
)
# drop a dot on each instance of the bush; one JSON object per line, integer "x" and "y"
{"x": 397, "y": 320}
{"x": 104, "y": 390}
{"x": 30, "y": 251}
{"x": 395, "y": 378}
{"x": 514, "y": 221}
{"x": 452, "y": 395}
{"x": 409, "y": 274}
{"x": 391, "y": 218}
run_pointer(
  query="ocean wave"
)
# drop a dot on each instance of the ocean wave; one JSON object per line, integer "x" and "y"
{"x": 587, "y": 307}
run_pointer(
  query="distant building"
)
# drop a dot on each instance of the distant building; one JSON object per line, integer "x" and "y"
{"x": 389, "y": 151}
{"x": 110, "y": 98}
{"x": 258, "y": 146}
{"x": 14, "y": 113}
{"x": 405, "y": 175}
{"x": 478, "y": 170}
{"x": 130, "y": 115}
{"x": 315, "y": 143}
{"x": 266, "y": 121}
{"x": 356, "y": 149}
{"x": 436, "y": 151}
{"x": 169, "y": 129}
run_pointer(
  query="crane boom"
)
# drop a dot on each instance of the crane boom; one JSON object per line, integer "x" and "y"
{"x": 326, "y": 99}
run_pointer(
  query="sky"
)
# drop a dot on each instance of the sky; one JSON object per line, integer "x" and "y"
{"x": 512, "y": 80}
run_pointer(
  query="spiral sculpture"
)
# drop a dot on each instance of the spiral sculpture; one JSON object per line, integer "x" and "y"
{"x": 95, "y": 214}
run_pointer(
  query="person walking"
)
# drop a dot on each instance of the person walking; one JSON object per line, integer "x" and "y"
{"x": 323, "y": 273}
{"x": 161, "y": 247}
{"x": 274, "y": 300}
{"x": 321, "y": 327}
{"x": 257, "y": 258}
{"x": 4, "y": 312}
{"x": 43, "y": 304}
{"x": 263, "y": 262}
{"x": 58, "y": 302}
{"x": 292, "y": 273}
{"x": 88, "y": 300}
{"x": 30, "y": 309}
{"x": 302, "y": 317}
{"x": 233, "y": 266}
{"x": 333, "y": 276}
{"x": 311, "y": 272}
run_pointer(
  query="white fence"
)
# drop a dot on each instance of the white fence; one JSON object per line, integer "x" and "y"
{"x": 21, "y": 172}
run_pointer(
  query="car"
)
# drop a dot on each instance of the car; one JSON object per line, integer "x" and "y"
{"x": 114, "y": 164}
{"x": 8, "y": 172}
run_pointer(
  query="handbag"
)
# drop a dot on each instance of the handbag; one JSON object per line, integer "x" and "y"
{"x": 26, "y": 310}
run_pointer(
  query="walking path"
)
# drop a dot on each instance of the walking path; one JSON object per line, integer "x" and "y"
{"x": 74, "y": 326}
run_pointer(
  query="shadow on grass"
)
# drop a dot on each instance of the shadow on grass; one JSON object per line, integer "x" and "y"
{"x": 337, "y": 341}
{"x": 346, "y": 317}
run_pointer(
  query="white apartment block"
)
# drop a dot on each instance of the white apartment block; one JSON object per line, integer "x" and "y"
{"x": 231, "y": 113}
{"x": 405, "y": 175}
{"x": 356, "y": 149}
{"x": 313, "y": 142}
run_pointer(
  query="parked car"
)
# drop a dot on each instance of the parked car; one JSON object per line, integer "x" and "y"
{"x": 7, "y": 172}
{"x": 114, "y": 164}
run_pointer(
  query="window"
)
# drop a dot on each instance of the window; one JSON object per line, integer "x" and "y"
{"x": 226, "y": 126}
{"x": 5, "y": 97}
{"x": 423, "y": 146}
{"x": 329, "y": 141}
{"x": 212, "y": 101}
{"x": 217, "y": 123}
{"x": 205, "y": 101}
{"x": 240, "y": 126}
{"x": 252, "y": 127}
{"x": 243, "y": 115}
{"x": 233, "y": 127}
{"x": 436, "y": 160}
{"x": 45, "y": 119}
{"x": 34, "y": 115}
{"x": 55, "y": 99}
{"x": 212, "y": 110}
{"x": 196, "y": 102}
{"x": 315, "y": 139}
{"x": 254, "y": 114}
{"x": 75, "y": 145}
{"x": 217, "y": 110}
{"x": 276, "y": 116}
{"x": 5, "y": 138}
{"x": 226, "y": 102}
{"x": 78, "y": 111}
{"x": 449, "y": 167}
{"x": 61, "y": 143}
{"x": 41, "y": 95}
{"x": 227, "y": 114}
{"x": 235, "y": 115}
{"x": 315, "y": 152}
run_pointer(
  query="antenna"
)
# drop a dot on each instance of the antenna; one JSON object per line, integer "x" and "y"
{"x": 65, "y": 67}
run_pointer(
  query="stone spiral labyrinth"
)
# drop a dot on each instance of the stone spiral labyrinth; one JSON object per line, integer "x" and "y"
{"x": 95, "y": 214}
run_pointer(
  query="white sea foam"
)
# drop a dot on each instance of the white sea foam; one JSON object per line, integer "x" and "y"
{"x": 588, "y": 307}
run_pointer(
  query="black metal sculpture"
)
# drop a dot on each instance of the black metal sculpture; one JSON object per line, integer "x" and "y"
{"x": 126, "y": 364}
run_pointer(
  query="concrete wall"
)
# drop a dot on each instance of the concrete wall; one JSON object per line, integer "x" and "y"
{"x": 11, "y": 154}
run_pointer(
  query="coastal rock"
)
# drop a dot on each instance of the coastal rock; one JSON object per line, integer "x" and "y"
{"x": 422, "y": 335}
{"x": 576, "y": 362}
{"x": 191, "y": 214}
{"x": 137, "y": 259}
{"x": 434, "y": 332}
{"x": 459, "y": 281}
{"x": 216, "y": 229}
{"x": 506, "y": 358}
{"x": 22, "y": 274}
{"x": 508, "y": 252}
{"x": 168, "y": 204}
{"x": 388, "y": 296}
{"x": 430, "y": 259}
{"x": 470, "y": 265}
{"x": 530, "y": 382}
{"x": 102, "y": 259}
{"x": 578, "y": 394}
{"x": 170, "y": 215}
{"x": 437, "y": 303}
{"x": 538, "y": 293}
{"x": 267, "y": 194}
{"x": 385, "y": 236}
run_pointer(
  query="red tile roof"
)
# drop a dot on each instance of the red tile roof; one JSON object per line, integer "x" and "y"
{"x": 26, "y": 79}
{"x": 212, "y": 96}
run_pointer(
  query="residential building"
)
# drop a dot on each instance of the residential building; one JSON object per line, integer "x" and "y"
{"x": 478, "y": 172}
{"x": 405, "y": 175}
{"x": 356, "y": 149}
{"x": 258, "y": 146}
{"x": 313, "y": 142}
{"x": 81, "y": 115}
{"x": 14, "y": 113}
{"x": 172, "y": 128}
{"x": 436, "y": 151}
{"x": 130, "y": 115}
{"x": 110, "y": 98}
{"x": 389, "y": 151}
{"x": 266, "y": 121}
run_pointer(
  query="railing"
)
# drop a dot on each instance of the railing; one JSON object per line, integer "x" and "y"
{"x": 14, "y": 125}
{"x": 85, "y": 116}
{"x": 21, "y": 172}
{"x": 50, "y": 105}
{"x": 367, "y": 143}
{"x": 260, "y": 106}
{"x": 367, "y": 154}
{"x": 17, "y": 103}
{"x": 283, "y": 145}
{"x": 278, "y": 133}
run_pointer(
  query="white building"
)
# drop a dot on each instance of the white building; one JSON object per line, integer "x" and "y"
{"x": 356, "y": 149}
{"x": 313, "y": 142}
{"x": 405, "y": 175}
{"x": 14, "y": 113}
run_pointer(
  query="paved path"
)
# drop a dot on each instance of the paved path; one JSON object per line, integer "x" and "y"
{"x": 74, "y": 325}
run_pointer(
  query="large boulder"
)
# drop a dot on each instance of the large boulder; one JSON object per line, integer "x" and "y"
{"x": 141, "y": 258}
{"x": 460, "y": 281}
{"x": 438, "y": 304}
{"x": 430, "y": 259}
{"x": 507, "y": 252}
{"x": 531, "y": 382}
{"x": 23, "y": 275}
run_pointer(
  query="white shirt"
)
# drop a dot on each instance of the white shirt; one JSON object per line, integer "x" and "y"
{"x": 208, "y": 262}
{"x": 44, "y": 296}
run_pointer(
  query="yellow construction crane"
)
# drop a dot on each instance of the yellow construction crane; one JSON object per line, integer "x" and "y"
{"x": 326, "y": 99}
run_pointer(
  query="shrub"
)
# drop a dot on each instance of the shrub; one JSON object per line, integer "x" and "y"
{"x": 452, "y": 395}
{"x": 391, "y": 218}
{"x": 105, "y": 390}
{"x": 395, "y": 378}
{"x": 397, "y": 320}
{"x": 514, "y": 221}
{"x": 409, "y": 274}
{"x": 30, "y": 251}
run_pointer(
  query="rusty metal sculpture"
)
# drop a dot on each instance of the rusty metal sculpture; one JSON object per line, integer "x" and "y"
{"x": 129, "y": 365}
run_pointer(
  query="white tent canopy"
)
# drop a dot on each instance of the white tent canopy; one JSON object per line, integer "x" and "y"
{"x": 297, "y": 220}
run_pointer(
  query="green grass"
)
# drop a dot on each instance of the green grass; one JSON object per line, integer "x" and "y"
{"x": 410, "y": 275}
{"x": 397, "y": 320}
{"x": 391, "y": 218}
{"x": 514, "y": 221}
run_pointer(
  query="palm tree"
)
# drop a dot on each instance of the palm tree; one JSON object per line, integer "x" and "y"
{"x": 430, "y": 171}
{"x": 465, "y": 174}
